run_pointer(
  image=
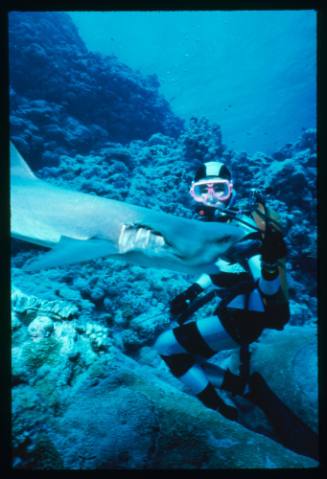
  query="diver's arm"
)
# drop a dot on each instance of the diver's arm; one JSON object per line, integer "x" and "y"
{"x": 266, "y": 275}
{"x": 265, "y": 270}
{"x": 181, "y": 302}
{"x": 254, "y": 266}
{"x": 272, "y": 251}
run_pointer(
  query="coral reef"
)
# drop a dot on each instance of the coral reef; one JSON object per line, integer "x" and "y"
{"x": 158, "y": 177}
{"x": 56, "y": 83}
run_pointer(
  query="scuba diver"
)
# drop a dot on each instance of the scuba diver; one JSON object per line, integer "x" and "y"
{"x": 250, "y": 282}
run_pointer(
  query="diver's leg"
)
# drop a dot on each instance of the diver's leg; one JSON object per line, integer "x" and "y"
{"x": 178, "y": 348}
{"x": 215, "y": 336}
{"x": 181, "y": 363}
{"x": 237, "y": 312}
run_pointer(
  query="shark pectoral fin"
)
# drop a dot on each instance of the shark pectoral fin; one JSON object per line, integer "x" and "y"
{"x": 70, "y": 251}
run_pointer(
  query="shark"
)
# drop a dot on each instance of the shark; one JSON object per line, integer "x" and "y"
{"x": 76, "y": 227}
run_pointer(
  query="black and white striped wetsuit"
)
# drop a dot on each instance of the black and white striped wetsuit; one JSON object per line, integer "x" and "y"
{"x": 240, "y": 319}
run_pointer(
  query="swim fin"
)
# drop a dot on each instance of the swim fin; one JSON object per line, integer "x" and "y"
{"x": 290, "y": 430}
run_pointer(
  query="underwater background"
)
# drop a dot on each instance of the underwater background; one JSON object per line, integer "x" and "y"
{"x": 126, "y": 106}
{"x": 229, "y": 66}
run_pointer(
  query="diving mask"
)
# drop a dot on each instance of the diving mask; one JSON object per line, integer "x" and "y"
{"x": 211, "y": 192}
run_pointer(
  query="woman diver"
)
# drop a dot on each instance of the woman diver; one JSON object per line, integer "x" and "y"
{"x": 253, "y": 286}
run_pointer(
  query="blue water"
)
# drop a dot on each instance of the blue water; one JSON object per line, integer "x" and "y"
{"x": 252, "y": 72}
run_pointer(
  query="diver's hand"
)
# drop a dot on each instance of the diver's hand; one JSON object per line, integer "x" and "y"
{"x": 273, "y": 245}
{"x": 182, "y": 301}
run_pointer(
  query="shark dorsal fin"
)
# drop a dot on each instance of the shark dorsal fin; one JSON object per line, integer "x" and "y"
{"x": 18, "y": 167}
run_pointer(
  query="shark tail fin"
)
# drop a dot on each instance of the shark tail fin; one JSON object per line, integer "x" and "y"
{"x": 18, "y": 166}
